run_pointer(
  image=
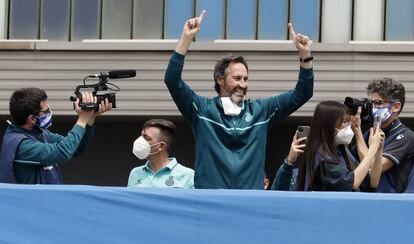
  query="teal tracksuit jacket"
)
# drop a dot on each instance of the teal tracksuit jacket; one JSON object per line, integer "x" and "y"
{"x": 230, "y": 151}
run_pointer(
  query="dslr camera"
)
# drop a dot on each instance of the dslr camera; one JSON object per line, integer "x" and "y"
{"x": 101, "y": 85}
{"x": 364, "y": 103}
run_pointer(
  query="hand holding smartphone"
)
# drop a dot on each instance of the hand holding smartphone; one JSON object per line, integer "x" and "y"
{"x": 377, "y": 122}
{"x": 303, "y": 131}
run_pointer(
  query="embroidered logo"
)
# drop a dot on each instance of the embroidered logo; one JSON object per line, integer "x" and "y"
{"x": 249, "y": 117}
{"x": 399, "y": 137}
{"x": 48, "y": 167}
{"x": 169, "y": 181}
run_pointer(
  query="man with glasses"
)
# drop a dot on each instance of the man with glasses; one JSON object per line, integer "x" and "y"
{"x": 388, "y": 98}
{"x": 30, "y": 153}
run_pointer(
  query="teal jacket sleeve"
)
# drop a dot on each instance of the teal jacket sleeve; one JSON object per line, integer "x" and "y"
{"x": 286, "y": 103}
{"x": 60, "y": 150}
{"x": 84, "y": 144}
{"x": 283, "y": 179}
{"x": 187, "y": 101}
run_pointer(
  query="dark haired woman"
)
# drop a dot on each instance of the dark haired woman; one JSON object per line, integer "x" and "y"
{"x": 329, "y": 164}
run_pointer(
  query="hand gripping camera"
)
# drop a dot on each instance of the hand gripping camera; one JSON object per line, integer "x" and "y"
{"x": 364, "y": 103}
{"x": 102, "y": 85}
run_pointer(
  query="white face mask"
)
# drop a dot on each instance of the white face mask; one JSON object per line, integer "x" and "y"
{"x": 229, "y": 107}
{"x": 344, "y": 136}
{"x": 142, "y": 149}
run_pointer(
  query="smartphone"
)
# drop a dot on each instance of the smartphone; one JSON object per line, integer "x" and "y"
{"x": 377, "y": 121}
{"x": 303, "y": 131}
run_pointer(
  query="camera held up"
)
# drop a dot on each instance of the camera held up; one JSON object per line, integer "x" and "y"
{"x": 364, "y": 103}
{"x": 101, "y": 85}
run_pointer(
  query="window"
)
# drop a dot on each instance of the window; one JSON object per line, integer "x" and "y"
{"x": 85, "y": 19}
{"x": 176, "y": 13}
{"x": 55, "y": 20}
{"x": 241, "y": 19}
{"x": 304, "y": 15}
{"x": 272, "y": 19}
{"x": 148, "y": 19}
{"x": 24, "y": 19}
{"x": 399, "y": 25}
{"x": 117, "y": 19}
{"x": 213, "y": 27}
{"x": 336, "y": 21}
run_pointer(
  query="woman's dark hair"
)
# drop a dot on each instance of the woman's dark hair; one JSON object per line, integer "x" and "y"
{"x": 221, "y": 68}
{"x": 327, "y": 117}
{"x": 25, "y": 102}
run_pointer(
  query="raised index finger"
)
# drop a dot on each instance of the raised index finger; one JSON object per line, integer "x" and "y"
{"x": 202, "y": 15}
{"x": 292, "y": 32}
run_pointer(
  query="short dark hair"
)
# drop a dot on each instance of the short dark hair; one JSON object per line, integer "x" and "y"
{"x": 388, "y": 89}
{"x": 25, "y": 102}
{"x": 221, "y": 68}
{"x": 167, "y": 129}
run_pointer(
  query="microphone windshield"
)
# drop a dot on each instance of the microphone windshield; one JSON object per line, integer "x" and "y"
{"x": 119, "y": 74}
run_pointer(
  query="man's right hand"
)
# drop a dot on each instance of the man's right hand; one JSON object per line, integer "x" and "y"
{"x": 190, "y": 30}
{"x": 84, "y": 116}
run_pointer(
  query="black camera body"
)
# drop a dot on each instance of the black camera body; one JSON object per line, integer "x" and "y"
{"x": 99, "y": 99}
{"x": 102, "y": 85}
{"x": 364, "y": 103}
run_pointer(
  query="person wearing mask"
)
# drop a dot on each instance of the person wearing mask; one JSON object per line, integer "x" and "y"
{"x": 160, "y": 170}
{"x": 329, "y": 164}
{"x": 388, "y": 98}
{"x": 30, "y": 153}
{"x": 230, "y": 131}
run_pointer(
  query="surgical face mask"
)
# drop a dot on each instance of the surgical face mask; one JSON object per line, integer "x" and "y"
{"x": 384, "y": 113}
{"x": 344, "y": 136}
{"x": 44, "y": 121}
{"x": 142, "y": 149}
{"x": 229, "y": 107}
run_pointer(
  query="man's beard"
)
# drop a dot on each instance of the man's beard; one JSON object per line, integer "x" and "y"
{"x": 239, "y": 94}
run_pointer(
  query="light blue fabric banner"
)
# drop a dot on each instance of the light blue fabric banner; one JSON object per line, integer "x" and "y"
{"x": 88, "y": 214}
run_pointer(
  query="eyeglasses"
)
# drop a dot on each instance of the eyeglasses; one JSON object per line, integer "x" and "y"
{"x": 380, "y": 103}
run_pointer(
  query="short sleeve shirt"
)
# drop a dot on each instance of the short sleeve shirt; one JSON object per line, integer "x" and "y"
{"x": 399, "y": 150}
{"x": 174, "y": 175}
{"x": 332, "y": 174}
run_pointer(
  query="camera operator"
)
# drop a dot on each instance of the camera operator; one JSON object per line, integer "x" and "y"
{"x": 30, "y": 153}
{"x": 388, "y": 97}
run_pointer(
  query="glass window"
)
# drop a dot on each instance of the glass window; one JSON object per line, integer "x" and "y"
{"x": 176, "y": 13}
{"x": 336, "y": 21}
{"x": 148, "y": 19}
{"x": 54, "y": 24}
{"x": 368, "y": 20}
{"x": 241, "y": 19}
{"x": 304, "y": 15}
{"x": 117, "y": 19}
{"x": 86, "y": 16}
{"x": 24, "y": 19}
{"x": 272, "y": 19}
{"x": 399, "y": 25}
{"x": 3, "y": 18}
{"x": 213, "y": 27}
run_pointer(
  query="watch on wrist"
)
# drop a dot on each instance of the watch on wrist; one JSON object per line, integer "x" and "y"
{"x": 306, "y": 60}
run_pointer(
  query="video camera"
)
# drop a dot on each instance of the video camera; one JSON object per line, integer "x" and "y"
{"x": 102, "y": 85}
{"x": 364, "y": 103}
